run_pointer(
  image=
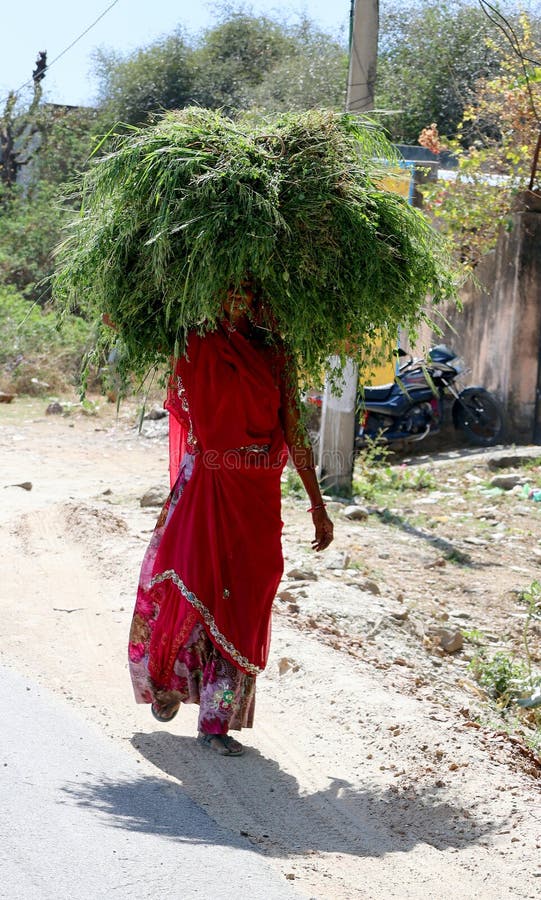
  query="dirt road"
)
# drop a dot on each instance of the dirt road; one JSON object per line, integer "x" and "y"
{"x": 368, "y": 774}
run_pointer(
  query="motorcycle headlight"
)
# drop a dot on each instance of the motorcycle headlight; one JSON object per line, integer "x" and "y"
{"x": 458, "y": 364}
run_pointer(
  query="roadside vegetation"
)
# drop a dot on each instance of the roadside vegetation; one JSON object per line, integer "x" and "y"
{"x": 494, "y": 144}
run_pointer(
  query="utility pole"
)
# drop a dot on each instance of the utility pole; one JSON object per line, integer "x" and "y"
{"x": 13, "y": 127}
{"x": 41, "y": 67}
{"x": 363, "y": 55}
{"x": 337, "y": 434}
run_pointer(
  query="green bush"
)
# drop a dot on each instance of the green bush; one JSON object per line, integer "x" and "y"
{"x": 502, "y": 676}
{"x": 374, "y": 476}
{"x": 34, "y": 355}
{"x": 292, "y": 485}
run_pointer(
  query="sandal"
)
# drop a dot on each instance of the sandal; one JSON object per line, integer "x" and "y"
{"x": 166, "y": 712}
{"x": 221, "y": 743}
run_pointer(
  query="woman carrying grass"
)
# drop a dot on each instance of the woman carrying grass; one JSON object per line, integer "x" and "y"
{"x": 174, "y": 216}
{"x": 201, "y": 627}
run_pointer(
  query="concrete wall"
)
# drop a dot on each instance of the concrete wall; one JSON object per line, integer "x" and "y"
{"x": 498, "y": 332}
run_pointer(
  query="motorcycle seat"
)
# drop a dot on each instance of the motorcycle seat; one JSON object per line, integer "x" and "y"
{"x": 377, "y": 394}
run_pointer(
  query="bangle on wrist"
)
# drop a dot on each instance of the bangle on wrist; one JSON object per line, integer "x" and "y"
{"x": 317, "y": 506}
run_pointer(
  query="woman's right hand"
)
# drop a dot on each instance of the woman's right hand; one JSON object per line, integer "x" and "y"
{"x": 324, "y": 529}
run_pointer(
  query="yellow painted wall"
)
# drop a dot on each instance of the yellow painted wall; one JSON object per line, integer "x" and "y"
{"x": 398, "y": 181}
{"x": 382, "y": 374}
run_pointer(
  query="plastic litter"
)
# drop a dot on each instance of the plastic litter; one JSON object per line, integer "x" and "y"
{"x": 531, "y": 493}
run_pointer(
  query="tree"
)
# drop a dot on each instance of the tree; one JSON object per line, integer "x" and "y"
{"x": 501, "y": 127}
{"x": 54, "y": 143}
{"x": 154, "y": 78}
{"x": 243, "y": 62}
{"x": 313, "y": 74}
{"x": 234, "y": 57}
{"x": 432, "y": 55}
{"x": 16, "y": 132}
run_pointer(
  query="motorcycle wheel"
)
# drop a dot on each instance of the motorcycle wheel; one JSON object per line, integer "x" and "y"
{"x": 479, "y": 416}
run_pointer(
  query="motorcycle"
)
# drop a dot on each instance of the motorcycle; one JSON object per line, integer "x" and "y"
{"x": 412, "y": 406}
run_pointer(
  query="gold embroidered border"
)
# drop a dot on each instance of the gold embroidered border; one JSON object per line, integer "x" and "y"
{"x": 171, "y": 575}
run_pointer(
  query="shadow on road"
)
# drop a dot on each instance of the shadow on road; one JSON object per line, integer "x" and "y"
{"x": 252, "y": 797}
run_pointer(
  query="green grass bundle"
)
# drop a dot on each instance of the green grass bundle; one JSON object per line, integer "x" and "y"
{"x": 182, "y": 211}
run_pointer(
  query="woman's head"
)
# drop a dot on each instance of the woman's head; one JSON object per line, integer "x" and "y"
{"x": 240, "y": 302}
{"x": 245, "y": 307}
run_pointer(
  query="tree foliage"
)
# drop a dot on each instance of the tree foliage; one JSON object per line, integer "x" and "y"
{"x": 160, "y": 76}
{"x": 431, "y": 57}
{"x": 53, "y": 143}
{"x": 234, "y": 57}
{"x": 502, "y": 125}
{"x": 435, "y": 65}
{"x": 34, "y": 354}
{"x": 313, "y": 75}
{"x": 243, "y": 62}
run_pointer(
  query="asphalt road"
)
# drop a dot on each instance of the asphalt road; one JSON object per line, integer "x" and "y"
{"x": 81, "y": 818}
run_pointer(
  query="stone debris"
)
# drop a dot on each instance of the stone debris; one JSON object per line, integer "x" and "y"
{"x": 155, "y": 496}
{"x": 286, "y": 596}
{"x": 156, "y": 429}
{"x": 511, "y": 461}
{"x": 507, "y": 482}
{"x": 287, "y": 665}
{"x": 486, "y": 513}
{"x": 337, "y": 560}
{"x": 400, "y": 614}
{"x": 298, "y": 574}
{"x": 438, "y": 563}
{"x": 54, "y": 409}
{"x": 449, "y": 639}
{"x": 25, "y": 485}
{"x": 157, "y": 412}
{"x": 369, "y": 585}
{"x": 356, "y": 513}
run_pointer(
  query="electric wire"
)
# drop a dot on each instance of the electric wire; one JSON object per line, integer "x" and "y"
{"x": 498, "y": 19}
{"x": 62, "y": 53}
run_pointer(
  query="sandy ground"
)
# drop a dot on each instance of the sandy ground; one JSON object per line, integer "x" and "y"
{"x": 367, "y": 773}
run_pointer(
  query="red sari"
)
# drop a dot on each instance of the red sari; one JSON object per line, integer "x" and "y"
{"x": 215, "y": 559}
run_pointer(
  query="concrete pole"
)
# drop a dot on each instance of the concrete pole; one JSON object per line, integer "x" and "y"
{"x": 363, "y": 56}
{"x": 337, "y": 435}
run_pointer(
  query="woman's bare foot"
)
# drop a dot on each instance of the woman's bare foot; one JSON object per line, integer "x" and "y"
{"x": 221, "y": 743}
{"x": 164, "y": 712}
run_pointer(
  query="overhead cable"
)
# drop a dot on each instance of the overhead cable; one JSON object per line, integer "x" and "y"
{"x": 64, "y": 51}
